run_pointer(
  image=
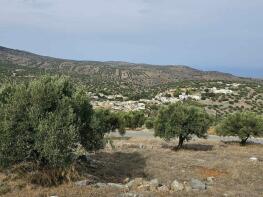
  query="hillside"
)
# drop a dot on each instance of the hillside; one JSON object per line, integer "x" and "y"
{"x": 137, "y": 74}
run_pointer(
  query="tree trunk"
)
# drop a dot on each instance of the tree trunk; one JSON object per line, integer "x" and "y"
{"x": 180, "y": 143}
{"x": 244, "y": 141}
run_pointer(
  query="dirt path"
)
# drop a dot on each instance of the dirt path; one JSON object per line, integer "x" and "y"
{"x": 150, "y": 134}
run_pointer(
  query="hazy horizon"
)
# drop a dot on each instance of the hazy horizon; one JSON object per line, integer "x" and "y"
{"x": 225, "y": 36}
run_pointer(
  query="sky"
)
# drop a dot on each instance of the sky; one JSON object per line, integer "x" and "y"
{"x": 221, "y": 35}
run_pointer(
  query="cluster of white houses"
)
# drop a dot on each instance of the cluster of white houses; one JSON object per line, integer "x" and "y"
{"x": 121, "y": 103}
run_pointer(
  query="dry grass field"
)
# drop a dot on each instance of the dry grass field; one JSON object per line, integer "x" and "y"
{"x": 234, "y": 173}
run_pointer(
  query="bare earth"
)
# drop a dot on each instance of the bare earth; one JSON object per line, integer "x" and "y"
{"x": 142, "y": 155}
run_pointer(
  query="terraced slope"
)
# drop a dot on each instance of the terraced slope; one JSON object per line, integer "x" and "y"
{"x": 119, "y": 72}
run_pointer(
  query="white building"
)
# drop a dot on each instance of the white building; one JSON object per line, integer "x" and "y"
{"x": 221, "y": 91}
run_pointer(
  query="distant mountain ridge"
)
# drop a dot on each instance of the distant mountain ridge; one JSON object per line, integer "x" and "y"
{"x": 136, "y": 74}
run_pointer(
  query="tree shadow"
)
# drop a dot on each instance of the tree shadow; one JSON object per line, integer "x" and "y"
{"x": 234, "y": 142}
{"x": 198, "y": 147}
{"x": 115, "y": 167}
{"x": 193, "y": 147}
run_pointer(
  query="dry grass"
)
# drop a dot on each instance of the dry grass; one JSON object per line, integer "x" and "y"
{"x": 234, "y": 173}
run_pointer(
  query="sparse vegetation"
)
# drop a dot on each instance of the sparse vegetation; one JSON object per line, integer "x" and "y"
{"x": 51, "y": 135}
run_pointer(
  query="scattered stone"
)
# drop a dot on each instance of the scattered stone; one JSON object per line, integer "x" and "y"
{"x": 253, "y": 159}
{"x": 210, "y": 180}
{"x": 145, "y": 187}
{"x": 100, "y": 185}
{"x": 154, "y": 183}
{"x": 176, "y": 186}
{"x": 197, "y": 184}
{"x": 163, "y": 188}
{"x": 82, "y": 183}
{"x": 187, "y": 187}
{"x": 117, "y": 186}
{"x": 126, "y": 180}
{"x": 130, "y": 184}
{"x": 130, "y": 195}
{"x": 138, "y": 182}
{"x": 141, "y": 146}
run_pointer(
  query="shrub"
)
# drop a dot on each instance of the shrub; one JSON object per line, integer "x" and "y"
{"x": 149, "y": 123}
{"x": 133, "y": 119}
{"x": 44, "y": 120}
{"x": 105, "y": 120}
{"x": 241, "y": 124}
{"x": 183, "y": 121}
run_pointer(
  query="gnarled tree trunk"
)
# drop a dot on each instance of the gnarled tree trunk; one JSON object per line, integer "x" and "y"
{"x": 180, "y": 143}
{"x": 244, "y": 141}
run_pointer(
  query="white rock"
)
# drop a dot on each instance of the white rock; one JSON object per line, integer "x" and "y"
{"x": 126, "y": 180}
{"x": 130, "y": 184}
{"x": 101, "y": 185}
{"x": 154, "y": 183}
{"x": 82, "y": 183}
{"x": 163, "y": 188}
{"x": 253, "y": 159}
{"x": 117, "y": 186}
{"x": 197, "y": 184}
{"x": 210, "y": 180}
{"x": 176, "y": 186}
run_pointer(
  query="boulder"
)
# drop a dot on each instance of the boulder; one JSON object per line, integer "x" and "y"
{"x": 197, "y": 184}
{"x": 135, "y": 183}
{"x": 154, "y": 183}
{"x": 187, "y": 187}
{"x": 82, "y": 183}
{"x": 176, "y": 186}
{"x": 117, "y": 186}
{"x": 130, "y": 184}
{"x": 100, "y": 185}
{"x": 163, "y": 188}
{"x": 126, "y": 180}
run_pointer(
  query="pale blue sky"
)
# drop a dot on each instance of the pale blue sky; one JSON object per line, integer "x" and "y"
{"x": 222, "y": 35}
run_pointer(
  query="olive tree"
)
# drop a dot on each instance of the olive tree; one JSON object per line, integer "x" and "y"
{"x": 45, "y": 120}
{"x": 241, "y": 124}
{"x": 181, "y": 121}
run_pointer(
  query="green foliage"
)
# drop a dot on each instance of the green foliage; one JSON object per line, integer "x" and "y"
{"x": 182, "y": 120}
{"x": 149, "y": 123}
{"x": 133, "y": 119}
{"x": 105, "y": 120}
{"x": 241, "y": 124}
{"x": 44, "y": 120}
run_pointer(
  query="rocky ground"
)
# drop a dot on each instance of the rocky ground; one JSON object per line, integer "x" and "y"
{"x": 143, "y": 166}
